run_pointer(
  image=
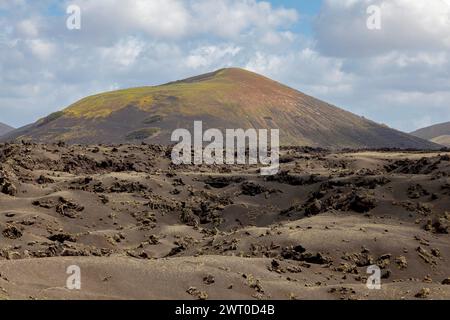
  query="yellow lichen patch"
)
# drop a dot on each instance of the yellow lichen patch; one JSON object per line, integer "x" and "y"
{"x": 103, "y": 105}
{"x": 193, "y": 97}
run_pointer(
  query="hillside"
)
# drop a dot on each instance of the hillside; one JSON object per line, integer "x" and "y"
{"x": 442, "y": 140}
{"x": 4, "y": 129}
{"x": 439, "y": 133}
{"x": 227, "y": 98}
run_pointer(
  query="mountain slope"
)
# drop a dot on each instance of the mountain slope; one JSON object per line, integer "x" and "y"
{"x": 439, "y": 133}
{"x": 227, "y": 98}
{"x": 442, "y": 140}
{"x": 4, "y": 129}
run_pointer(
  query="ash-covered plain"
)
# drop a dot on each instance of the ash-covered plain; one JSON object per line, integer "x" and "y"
{"x": 141, "y": 228}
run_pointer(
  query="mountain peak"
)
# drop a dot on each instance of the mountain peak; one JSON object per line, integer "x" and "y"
{"x": 238, "y": 72}
{"x": 230, "y": 74}
{"x": 226, "y": 98}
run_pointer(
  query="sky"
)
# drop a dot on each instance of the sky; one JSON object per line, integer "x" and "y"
{"x": 398, "y": 74}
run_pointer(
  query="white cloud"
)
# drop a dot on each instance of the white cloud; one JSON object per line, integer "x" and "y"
{"x": 209, "y": 56}
{"x": 231, "y": 18}
{"x": 124, "y": 53}
{"x": 399, "y": 76}
{"x": 42, "y": 49}
{"x": 306, "y": 70}
{"x": 226, "y": 19}
{"x": 272, "y": 38}
{"x": 406, "y": 25}
{"x": 8, "y": 4}
{"x": 159, "y": 18}
{"x": 405, "y": 60}
{"x": 28, "y": 28}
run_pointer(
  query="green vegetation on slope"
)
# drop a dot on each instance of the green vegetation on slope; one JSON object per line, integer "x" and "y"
{"x": 192, "y": 94}
{"x": 51, "y": 117}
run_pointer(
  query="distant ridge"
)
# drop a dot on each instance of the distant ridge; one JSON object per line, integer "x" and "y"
{"x": 226, "y": 98}
{"x": 4, "y": 129}
{"x": 438, "y": 133}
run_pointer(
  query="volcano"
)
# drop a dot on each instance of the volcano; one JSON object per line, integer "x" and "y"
{"x": 224, "y": 99}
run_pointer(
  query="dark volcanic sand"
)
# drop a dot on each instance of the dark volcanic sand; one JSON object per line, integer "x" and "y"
{"x": 140, "y": 228}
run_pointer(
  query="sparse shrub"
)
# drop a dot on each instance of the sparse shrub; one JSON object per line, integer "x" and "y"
{"x": 153, "y": 119}
{"x": 142, "y": 134}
